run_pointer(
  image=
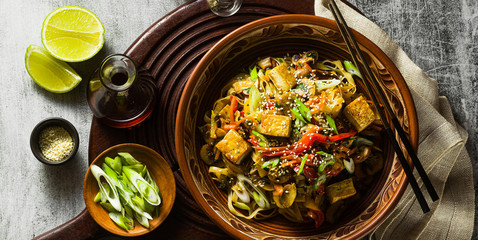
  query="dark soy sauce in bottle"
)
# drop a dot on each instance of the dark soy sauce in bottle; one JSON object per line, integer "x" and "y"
{"x": 119, "y": 78}
{"x": 119, "y": 95}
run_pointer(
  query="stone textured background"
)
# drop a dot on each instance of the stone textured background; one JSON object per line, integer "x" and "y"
{"x": 439, "y": 35}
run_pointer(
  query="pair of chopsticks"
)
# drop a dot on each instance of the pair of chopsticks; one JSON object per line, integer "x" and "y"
{"x": 364, "y": 68}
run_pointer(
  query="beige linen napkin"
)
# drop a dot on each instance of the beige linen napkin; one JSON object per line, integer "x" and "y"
{"x": 441, "y": 150}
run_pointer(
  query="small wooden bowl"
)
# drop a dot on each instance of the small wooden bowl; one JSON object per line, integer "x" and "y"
{"x": 53, "y": 122}
{"x": 159, "y": 170}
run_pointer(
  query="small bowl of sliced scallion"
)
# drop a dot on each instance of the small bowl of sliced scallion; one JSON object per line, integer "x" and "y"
{"x": 129, "y": 189}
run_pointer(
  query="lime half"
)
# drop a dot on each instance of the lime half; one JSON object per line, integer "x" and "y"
{"x": 72, "y": 34}
{"x": 49, "y": 72}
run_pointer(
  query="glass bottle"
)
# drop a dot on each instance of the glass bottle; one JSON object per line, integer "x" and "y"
{"x": 224, "y": 8}
{"x": 119, "y": 95}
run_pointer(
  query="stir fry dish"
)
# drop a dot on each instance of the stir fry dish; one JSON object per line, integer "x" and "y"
{"x": 293, "y": 136}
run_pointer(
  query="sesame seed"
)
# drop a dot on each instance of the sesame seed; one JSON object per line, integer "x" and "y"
{"x": 55, "y": 143}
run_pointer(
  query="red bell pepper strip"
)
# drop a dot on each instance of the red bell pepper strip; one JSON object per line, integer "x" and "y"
{"x": 268, "y": 104}
{"x": 254, "y": 142}
{"x": 278, "y": 189}
{"x": 317, "y": 216}
{"x": 342, "y": 136}
{"x": 235, "y": 125}
{"x": 334, "y": 172}
{"x": 280, "y": 153}
{"x": 306, "y": 142}
{"x": 310, "y": 174}
{"x": 292, "y": 162}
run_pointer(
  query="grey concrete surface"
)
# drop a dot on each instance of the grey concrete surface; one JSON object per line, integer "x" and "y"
{"x": 439, "y": 35}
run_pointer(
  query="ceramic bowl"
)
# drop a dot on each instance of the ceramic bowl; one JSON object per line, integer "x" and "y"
{"x": 53, "y": 122}
{"x": 159, "y": 170}
{"x": 277, "y": 36}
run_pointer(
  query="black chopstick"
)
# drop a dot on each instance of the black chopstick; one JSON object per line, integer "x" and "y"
{"x": 348, "y": 36}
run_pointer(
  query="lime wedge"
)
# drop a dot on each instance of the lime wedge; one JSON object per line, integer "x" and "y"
{"x": 72, "y": 34}
{"x": 49, "y": 72}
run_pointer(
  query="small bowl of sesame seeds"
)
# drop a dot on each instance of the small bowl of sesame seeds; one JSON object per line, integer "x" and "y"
{"x": 54, "y": 141}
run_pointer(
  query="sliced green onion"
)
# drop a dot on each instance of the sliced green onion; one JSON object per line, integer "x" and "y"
{"x": 129, "y": 205}
{"x": 104, "y": 195}
{"x": 119, "y": 179}
{"x": 254, "y": 74}
{"x": 109, "y": 161}
{"x": 350, "y": 68}
{"x": 139, "y": 202}
{"x": 122, "y": 160}
{"x": 115, "y": 164}
{"x": 128, "y": 158}
{"x": 235, "y": 212}
{"x": 331, "y": 123}
{"x": 326, "y": 84}
{"x": 128, "y": 184}
{"x": 110, "y": 172}
{"x": 137, "y": 167}
{"x": 324, "y": 154}
{"x": 97, "y": 197}
{"x": 302, "y": 164}
{"x": 241, "y": 205}
{"x": 298, "y": 124}
{"x": 324, "y": 165}
{"x": 143, "y": 172}
{"x": 142, "y": 220}
{"x": 151, "y": 181}
{"x": 263, "y": 142}
{"x": 271, "y": 163}
{"x": 128, "y": 210}
{"x": 259, "y": 200}
{"x": 304, "y": 110}
{"x": 255, "y": 99}
{"x": 296, "y": 113}
{"x": 112, "y": 198}
{"x": 319, "y": 181}
{"x": 144, "y": 188}
{"x": 122, "y": 221}
{"x": 241, "y": 178}
{"x": 349, "y": 166}
{"x": 148, "y": 207}
{"x": 129, "y": 221}
{"x": 242, "y": 193}
{"x": 139, "y": 210}
{"x": 328, "y": 160}
{"x": 108, "y": 207}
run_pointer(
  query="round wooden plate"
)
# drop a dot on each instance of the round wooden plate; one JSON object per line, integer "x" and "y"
{"x": 170, "y": 49}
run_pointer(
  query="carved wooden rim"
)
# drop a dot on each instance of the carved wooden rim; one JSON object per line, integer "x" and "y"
{"x": 284, "y": 19}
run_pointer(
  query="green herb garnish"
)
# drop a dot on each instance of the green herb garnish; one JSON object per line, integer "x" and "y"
{"x": 331, "y": 123}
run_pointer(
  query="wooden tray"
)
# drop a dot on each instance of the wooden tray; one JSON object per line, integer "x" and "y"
{"x": 170, "y": 49}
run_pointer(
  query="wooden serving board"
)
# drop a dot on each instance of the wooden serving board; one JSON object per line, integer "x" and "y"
{"x": 170, "y": 49}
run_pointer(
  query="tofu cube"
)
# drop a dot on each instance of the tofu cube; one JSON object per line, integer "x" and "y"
{"x": 234, "y": 147}
{"x": 225, "y": 111}
{"x": 240, "y": 86}
{"x": 340, "y": 190}
{"x": 359, "y": 113}
{"x": 282, "y": 78}
{"x": 275, "y": 125}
